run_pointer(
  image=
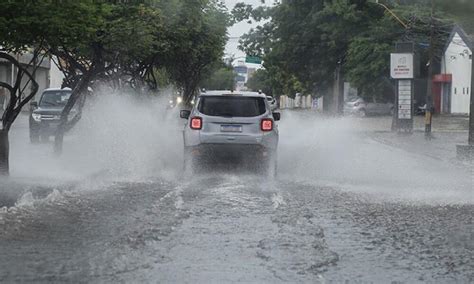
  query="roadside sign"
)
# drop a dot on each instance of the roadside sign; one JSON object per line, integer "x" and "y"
{"x": 405, "y": 99}
{"x": 253, "y": 59}
{"x": 401, "y": 65}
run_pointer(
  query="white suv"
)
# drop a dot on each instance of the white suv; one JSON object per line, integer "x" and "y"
{"x": 230, "y": 126}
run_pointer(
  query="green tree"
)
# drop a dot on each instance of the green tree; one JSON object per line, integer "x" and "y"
{"x": 458, "y": 10}
{"x": 93, "y": 41}
{"x": 198, "y": 33}
{"x": 260, "y": 81}
{"x": 221, "y": 79}
{"x": 126, "y": 44}
{"x": 307, "y": 42}
{"x": 120, "y": 48}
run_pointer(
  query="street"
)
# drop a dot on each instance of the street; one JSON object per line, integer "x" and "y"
{"x": 346, "y": 207}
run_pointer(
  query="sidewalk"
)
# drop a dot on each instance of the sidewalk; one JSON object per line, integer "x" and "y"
{"x": 442, "y": 145}
{"x": 447, "y": 132}
{"x": 441, "y": 123}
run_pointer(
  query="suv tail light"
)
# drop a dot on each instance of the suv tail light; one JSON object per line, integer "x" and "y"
{"x": 266, "y": 124}
{"x": 196, "y": 123}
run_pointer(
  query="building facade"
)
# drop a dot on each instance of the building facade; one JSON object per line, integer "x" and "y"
{"x": 47, "y": 75}
{"x": 455, "y": 78}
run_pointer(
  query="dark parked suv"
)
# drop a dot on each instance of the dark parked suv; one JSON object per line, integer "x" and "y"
{"x": 46, "y": 113}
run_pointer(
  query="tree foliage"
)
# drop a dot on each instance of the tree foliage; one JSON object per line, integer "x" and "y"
{"x": 197, "y": 31}
{"x": 307, "y": 41}
{"x": 222, "y": 78}
{"x": 129, "y": 44}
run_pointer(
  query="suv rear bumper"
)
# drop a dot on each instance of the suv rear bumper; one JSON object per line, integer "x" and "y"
{"x": 230, "y": 152}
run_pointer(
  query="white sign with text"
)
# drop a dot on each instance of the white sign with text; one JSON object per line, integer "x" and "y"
{"x": 401, "y": 65}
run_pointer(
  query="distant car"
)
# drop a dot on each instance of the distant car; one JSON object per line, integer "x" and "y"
{"x": 46, "y": 113}
{"x": 272, "y": 102}
{"x": 357, "y": 106}
{"x": 231, "y": 126}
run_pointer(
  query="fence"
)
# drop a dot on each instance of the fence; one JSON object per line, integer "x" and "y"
{"x": 303, "y": 102}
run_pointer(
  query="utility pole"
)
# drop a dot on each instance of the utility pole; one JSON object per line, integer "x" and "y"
{"x": 429, "y": 90}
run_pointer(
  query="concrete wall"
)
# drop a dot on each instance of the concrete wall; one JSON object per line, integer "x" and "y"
{"x": 55, "y": 76}
{"x": 302, "y": 102}
{"x": 42, "y": 77}
{"x": 5, "y": 76}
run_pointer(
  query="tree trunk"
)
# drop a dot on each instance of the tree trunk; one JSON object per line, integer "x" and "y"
{"x": 189, "y": 91}
{"x": 338, "y": 92}
{"x": 63, "y": 125}
{"x": 4, "y": 153}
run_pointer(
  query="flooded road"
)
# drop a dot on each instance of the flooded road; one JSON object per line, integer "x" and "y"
{"x": 228, "y": 229}
{"x": 344, "y": 208}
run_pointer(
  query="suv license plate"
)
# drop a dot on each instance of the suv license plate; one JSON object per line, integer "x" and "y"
{"x": 231, "y": 128}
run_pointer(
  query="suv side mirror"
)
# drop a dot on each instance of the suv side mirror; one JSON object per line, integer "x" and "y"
{"x": 184, "y": 114}
{"x": 276, "y": 116}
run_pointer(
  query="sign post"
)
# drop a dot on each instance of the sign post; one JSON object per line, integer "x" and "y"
{"x": 402, "y": 70}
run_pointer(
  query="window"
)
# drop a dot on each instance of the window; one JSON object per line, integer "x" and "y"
{"x": 232, "y": 106}
{"x": 455, "y": 91}
{"x": 54, "y": 98}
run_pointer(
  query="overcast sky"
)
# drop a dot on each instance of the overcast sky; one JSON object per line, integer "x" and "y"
{"x": 238, "y": 29}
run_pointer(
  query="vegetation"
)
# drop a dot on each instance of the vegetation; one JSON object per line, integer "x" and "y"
{"x": 222, "y": 78}
{"x": 305, "y": 43}
{"x": 136, "y": 45}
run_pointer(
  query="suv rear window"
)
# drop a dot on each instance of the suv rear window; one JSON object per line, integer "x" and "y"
{"x": 230, "y": 106}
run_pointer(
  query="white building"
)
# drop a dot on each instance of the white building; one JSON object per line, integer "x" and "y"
{"x": 455, "y": 77}
{"x": 56, "y": 77}
{"x": 47, "y": 75}
{"x": 243, "y": 71}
